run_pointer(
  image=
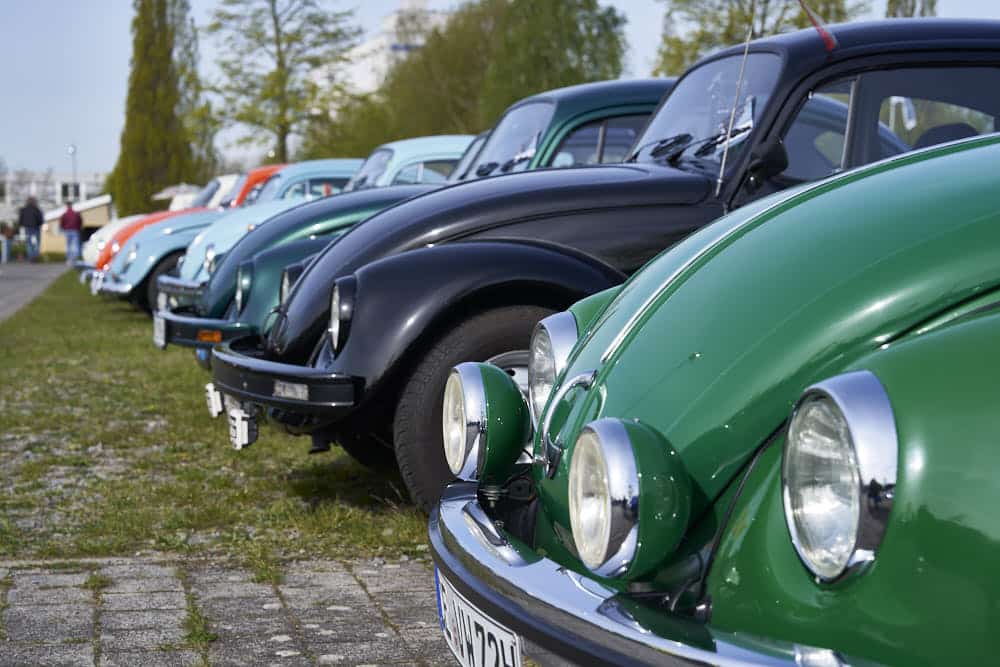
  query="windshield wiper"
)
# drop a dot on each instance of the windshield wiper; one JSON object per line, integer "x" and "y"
{"x": 513, "y": 162}
{"x": 707, "y": 144}
{"x": 486, "y": 169}
{"x": 660, "y": 146}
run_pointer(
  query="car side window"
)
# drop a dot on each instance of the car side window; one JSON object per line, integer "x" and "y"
{"x": 814, "y": 142}
{"x": 408, "y": 175}
{"x": 295, "y": 191}
{"x": 325, "y": 186}
{"x": 437, "y": 171}
{"x": 599, "y": 142}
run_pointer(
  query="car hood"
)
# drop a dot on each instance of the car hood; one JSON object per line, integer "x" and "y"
{"x": 459, "y": 210}
{"x": 227, "y": 230}
{"x": 322, "y": 217}
{"x": 157, "y": 240}
{"x": 713, "y": 341}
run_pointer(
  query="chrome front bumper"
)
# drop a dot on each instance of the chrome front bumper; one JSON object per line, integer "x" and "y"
{"x": 571, "y": 617}
{"x": 108, "y": 285}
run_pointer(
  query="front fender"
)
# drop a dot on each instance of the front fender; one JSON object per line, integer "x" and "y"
{"x": 403, "y": 302}
{"x": 152, "y": 253}
{"x": 264, "y": 290}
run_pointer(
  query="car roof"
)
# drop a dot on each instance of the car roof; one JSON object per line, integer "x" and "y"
{"x": 805, "y": 49}
{"x": 604, "y": 93}
{"x": 443, "y": 143}
{"x": 335, "y": 167}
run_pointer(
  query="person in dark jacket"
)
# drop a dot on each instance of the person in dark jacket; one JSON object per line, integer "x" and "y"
{"x": 30, "y": 219}
{"x": 71, "y": 223}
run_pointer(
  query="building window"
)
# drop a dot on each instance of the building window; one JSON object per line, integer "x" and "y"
{"x": 70, "y": 192}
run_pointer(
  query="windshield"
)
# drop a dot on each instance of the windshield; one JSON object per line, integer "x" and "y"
{"x": 514, "y": 140}
{"x": 234, "y": 191}
{"x": 701, "y": 103}
{"x": 270, "y": 189}
{"x": 462, "y": 168}
{"x": 206, "y": 194}
{"x": 370, "y": 171}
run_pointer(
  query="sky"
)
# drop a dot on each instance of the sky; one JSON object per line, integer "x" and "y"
{"x": 66, "y": 63}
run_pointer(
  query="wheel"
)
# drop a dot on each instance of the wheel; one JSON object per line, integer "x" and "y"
{"x": 500, "y": 336}
{"x": 147, "y": 297}
{"x": 359, "y": 436}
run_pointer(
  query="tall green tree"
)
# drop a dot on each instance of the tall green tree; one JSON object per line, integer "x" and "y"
{"x": 154, "y": 151}
{"x": 488, "y": 54}
{"x": 271, "y": 52}
{"x": 695, "y": 28}
{"x": 200, "y": 121}
{"x": 895, "y": 9}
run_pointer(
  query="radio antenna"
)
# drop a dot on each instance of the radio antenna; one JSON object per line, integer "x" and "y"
{"x": 736, "y": 101}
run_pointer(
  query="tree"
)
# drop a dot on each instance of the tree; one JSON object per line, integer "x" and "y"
{"x": 906, "y": 8}
{"x": 269, "y": 50}
{"x": 195, "y": 109}
{"x": 463, "y": 62}
{"x": 694, "y": 28}
{"x": 155, "y": 151}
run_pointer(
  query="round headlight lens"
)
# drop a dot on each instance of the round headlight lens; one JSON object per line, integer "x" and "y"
{"x": 541, "y": 370}
{"x": 209, "y": 263}
{"x": 453, "y": 423}
{"x": 335, "y": 317}
{"x": 821, "y": 486}
{"x": 244, "y": 279}
{"x": 590, "y": 500}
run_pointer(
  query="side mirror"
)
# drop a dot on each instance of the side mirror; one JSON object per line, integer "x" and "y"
{"x": 767, "y": 161}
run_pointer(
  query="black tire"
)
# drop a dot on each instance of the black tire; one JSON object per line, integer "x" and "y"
{"x": 147, "y": 296}
{"x": 359, "y": 436}
{"x": 417, "y": 422}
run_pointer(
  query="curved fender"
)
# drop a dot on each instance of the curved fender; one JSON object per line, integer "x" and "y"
{"x": 267, "y": 268}
{"x": 401, "y": 302}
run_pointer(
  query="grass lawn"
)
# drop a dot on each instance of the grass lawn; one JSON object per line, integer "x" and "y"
{"x": 106, "y": 449}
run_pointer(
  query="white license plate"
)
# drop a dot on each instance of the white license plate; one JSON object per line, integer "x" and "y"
{"x": 159, "y": 332}
{"x": 293, "y": 390}
{"x": 475, "y": 638}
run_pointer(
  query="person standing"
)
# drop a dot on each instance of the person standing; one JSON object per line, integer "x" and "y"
{"x": 71, "y": 224}
{"x": 30, "y": 219}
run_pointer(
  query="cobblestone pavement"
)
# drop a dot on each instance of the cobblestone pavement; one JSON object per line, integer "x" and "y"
{"x": 139, "y": 612}
{"x": 21, "y": 282}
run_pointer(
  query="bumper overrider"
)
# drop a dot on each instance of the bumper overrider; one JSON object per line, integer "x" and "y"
{"x": 85, "y": 269}
{"x": 179, "y": 292}
{"x": 108, "y": 284}
{"x": 561, "y": 615}
{"x": 198, "y": 332}
{"x": 240, "y": 370}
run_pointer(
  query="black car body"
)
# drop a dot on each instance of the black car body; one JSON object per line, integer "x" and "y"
{"x": 415, "y": 275}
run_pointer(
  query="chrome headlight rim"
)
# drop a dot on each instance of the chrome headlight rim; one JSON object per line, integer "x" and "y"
{"x": 472, "y": 390}
{"x": 210, "y": 257}
{"x": 244, "y": 283}
{"x": 131, "y": 256}
{"x": 561, "y": 331}
{"x": 341, "y": 311}
{"x": 622, "y": 480}
{"x": 284, "y": 287}
{"x": 864, "y": 405}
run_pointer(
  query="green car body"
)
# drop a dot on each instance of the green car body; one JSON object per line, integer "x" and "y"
{"x": 888, "y": 274}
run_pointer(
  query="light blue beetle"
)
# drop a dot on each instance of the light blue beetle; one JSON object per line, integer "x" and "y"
{"x": 157, "y": 249}
{"x": 420, "y": 160}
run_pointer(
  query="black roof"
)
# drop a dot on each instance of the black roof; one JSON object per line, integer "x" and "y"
{"x": 865, "y": 37}
{"x": 618, "y": 91}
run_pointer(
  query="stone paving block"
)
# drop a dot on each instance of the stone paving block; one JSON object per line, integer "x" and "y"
{"x": 225, "y": 589}
{"x": 347, "y": 627}
{"x": 42, "y": 579}
{"x": 148, "y": 585}
{"x": 32, "y": 595}
{"x": 406, "y": 576}
{"x": 405, "y": 609}
{"x": 318, "y": 579}
{"x": 255, "y": 652}
{"x": 49, "y": 623}
{"x": 143, "y": 601}
{"x": 426, "y": 642}
{"x": 142, "y": 620}
{"x": 304, "y": 598}
{"x": 218, "y": 573}
{"x": 16, "y": 654}
{"x": 150, "y": 659}
{"x": 140, "y": 640}
{"x": 368, "y": 652}
{"x": 138, "y": 570}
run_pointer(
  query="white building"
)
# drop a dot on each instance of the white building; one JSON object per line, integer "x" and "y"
{"x": 50, "y": 189}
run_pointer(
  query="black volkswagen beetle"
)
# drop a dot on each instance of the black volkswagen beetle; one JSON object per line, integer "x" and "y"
{"x": 466, "y": 272}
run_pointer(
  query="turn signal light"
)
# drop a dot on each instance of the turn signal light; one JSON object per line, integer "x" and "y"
{"x": 209, "y": 336}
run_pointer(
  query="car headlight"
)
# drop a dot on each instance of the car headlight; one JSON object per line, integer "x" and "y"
{"x": 244, "y": 280}
{"x": 839, "y": 473}
{"x": 286, "y": 287}
{"x": 551, "y": 342}
{"x": 133, "y": 253}
{"x": 341, "y": 311}
{"x": 484, "y": 422}
{"x": 115, "y": 247}
{"x": 101, "y": 245}
{"x": 614, "y": 464}
{"x": 209, "y": 262}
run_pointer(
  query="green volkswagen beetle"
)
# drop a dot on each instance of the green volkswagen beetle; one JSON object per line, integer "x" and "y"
{"x": 776, "y": 444}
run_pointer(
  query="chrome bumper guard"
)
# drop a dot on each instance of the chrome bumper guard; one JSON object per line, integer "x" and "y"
{"x": 108, "y": 285}
{"x": 568, "y": 615}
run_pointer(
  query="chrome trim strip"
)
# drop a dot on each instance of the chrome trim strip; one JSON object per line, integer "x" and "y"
{"x": 552, "y": 449}
{"x": 474, "y": 398}
{"x": 637, "y": 315}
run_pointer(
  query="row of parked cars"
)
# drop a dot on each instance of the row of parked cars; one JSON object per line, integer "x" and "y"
{"x": 695, "y": 371}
